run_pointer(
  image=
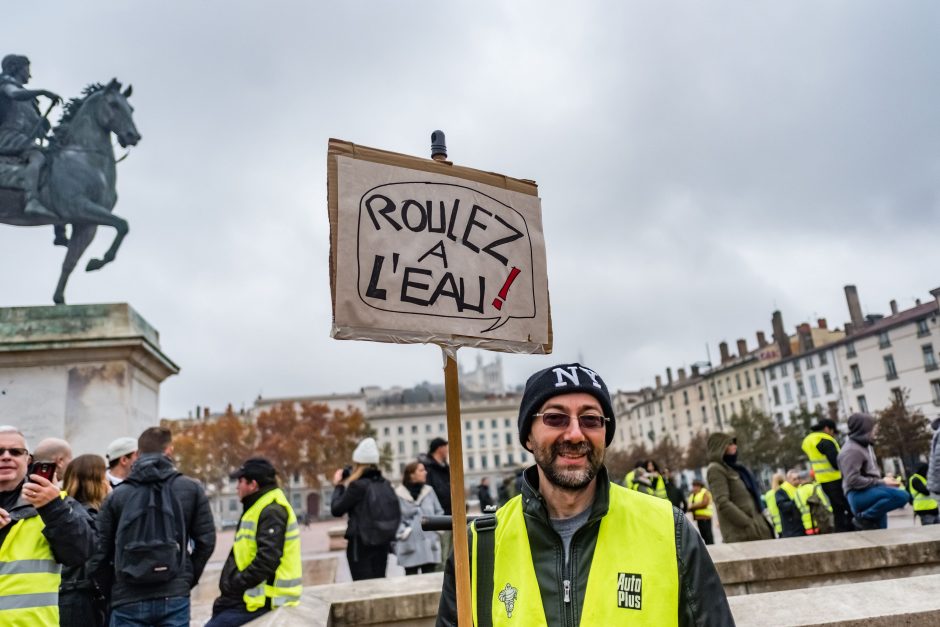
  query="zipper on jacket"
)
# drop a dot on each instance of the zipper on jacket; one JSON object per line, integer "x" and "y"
{"x": 567, "y": 585}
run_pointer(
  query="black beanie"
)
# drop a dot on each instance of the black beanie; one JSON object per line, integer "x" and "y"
{"x": 557, "y": 380}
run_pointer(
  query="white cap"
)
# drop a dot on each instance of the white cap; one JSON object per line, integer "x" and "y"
{"x": 121, "y": 447}
{"x": 367, "y": 452}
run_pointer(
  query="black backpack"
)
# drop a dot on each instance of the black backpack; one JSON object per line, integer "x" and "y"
{"x": 380, "y": 514}
{"x": 150, "y": 542}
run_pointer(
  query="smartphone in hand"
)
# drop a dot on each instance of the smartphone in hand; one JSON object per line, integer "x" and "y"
{"x": 46, "y": 470}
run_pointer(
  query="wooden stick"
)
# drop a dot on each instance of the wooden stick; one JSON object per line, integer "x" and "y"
{"x": 457, "y": 500}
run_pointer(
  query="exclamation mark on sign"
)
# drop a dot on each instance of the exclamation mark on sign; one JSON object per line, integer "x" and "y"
{"x": 505, "y": 290}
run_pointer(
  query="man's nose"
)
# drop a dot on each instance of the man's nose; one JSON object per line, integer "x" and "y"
{"x": 574, "y": 432}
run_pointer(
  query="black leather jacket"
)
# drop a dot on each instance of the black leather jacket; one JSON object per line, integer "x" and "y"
{"x": 702, "y": 600}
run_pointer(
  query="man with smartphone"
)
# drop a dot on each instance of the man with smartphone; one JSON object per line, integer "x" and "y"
{"x": 57, "y": 451}
{"x": 40, "y": 530}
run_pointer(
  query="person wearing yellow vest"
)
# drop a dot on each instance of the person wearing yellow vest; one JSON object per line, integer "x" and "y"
{"x": 814, "y": 507}
{"x": 575, "y": 548}
{"x": 925, "y": 506}
{"x": 822, "y": 449}
{"x": 41, "y": 530}
{"x": 638, "y": 479}
{"x": 700, "y": 504}
{"x": 770, "y": 500}
{"x": 263, "y": 571}
{"x": 793, "y": 513}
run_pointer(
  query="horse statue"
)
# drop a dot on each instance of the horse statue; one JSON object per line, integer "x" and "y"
{"x": 78, "y": 181}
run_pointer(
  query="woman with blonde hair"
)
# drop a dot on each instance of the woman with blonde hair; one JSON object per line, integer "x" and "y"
{"x": 81, "y": 603}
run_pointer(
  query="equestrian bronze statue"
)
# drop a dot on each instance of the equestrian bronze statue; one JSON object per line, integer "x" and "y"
{"x": 72, "y": 180}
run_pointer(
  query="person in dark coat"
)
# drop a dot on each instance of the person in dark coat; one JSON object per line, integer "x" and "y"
{"x": 484, "y": 495}
{"x": 435, "y": 462}
{"x": 81, "y": 602}
{"x": 366, "y": 560}
{"x": 735, "y": 491}
{"x": 166, "y": 603}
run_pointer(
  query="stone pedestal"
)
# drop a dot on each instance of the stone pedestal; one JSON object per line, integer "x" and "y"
{"x": 86, "y": 373}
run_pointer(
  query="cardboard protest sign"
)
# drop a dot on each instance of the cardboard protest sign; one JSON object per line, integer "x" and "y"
{"x": 424, "y": 251}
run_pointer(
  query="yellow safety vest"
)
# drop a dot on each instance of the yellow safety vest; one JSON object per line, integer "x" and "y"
{"x": 633, "y": 578}
{"x": 288, "y": 579}
{"x": 922, "y": 502}
{"x": 802, "y": 494}
{"x": 630, "y": 484}
{"x": 822, "y": 469}
{"x": 698, "y": 497}
{"x": 659, "y": 488}
{"x": 770, "y": 497}
{"x": 29, "y": 577}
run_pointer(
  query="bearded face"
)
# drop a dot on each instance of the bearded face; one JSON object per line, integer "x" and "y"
{"x": 555, "y": 459}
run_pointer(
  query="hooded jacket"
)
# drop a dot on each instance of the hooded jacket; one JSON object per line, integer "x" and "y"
{"x": 738, "y": 517}
{"x": 857, "y": 458}
{"x": 702, "y": 600}
{"x": 415, "y": 546}
{"x": 933, "y": 473}
{"x": 148, "y": 469}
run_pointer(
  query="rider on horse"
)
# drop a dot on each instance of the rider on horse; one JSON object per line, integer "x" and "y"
{"x": 21, "y": 125}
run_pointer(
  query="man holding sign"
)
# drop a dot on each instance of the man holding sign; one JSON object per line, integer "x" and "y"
{"x": 574, "y": 548}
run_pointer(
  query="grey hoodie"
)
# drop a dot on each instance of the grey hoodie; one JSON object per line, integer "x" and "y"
{"x": 857, "y": 458}
{"x": 933, "y": 474}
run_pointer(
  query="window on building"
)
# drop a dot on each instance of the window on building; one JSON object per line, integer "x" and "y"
{"x": 672, "y": 403}
{"x": 401, "y": 430}
{"x": 883, "y": 340}
{"x": 850, "y": 350}
{"x": 414, "y": 428}
{"x": 511, "y": 459}
{"x": 783, "y": 370}
{"x": 414, "y": 448}
{"x": 480, "y": 424}
{"x": 922, "y": 328}
{"x": 467, "y": 425}
{"x": 660, "y": 407}
{"x": 506, "y": 423}
{"x": 509, "y": 438}
{"x": 401, "y": 447}
{"x": 856, "y": 376}
{"x": 493, "y": 423}
{"x": 891, "y": 371}
{"x": 471, "y": 462}
{"x": 898, "y": 394}
{"x": 756, "y": 377}
{"x": 773, "y": 374}
{"x": 386, "y": 432}
{"x": 796, "y": 365}
{"x": 496, "y": 460}
{"x": 747, "y": 378}
{"x": 809, "y": 362}
{"x": 813, "y": 387}
{"x": 704, "y": 416}
{"x": 787, "y": 392}
{"x": 495, "y": 440}
{"x": 440, "y": 427}
{"x": 233, "y": 505}
{"x": 827, "y": 383}
{"x": 482, "y": 440}
{"x": 469, "y": 441}
{"x": 776, "y": 393}
{"x": 688, "y": 418}
{"x": 823, "y": 360}
{"x": 675, "y": 423}
{"x": 483, "y": 461}
{"x": 779, "y": 418}
{"x": 427, "y": 428}
{"x": 800, "y": 389}
{"x": 701, "y": 393}
{"x": 935, "y": 391}
{"x": 930, "y": 358}
{"x": 737, "y": 380}
{"x": 685, "y": 397}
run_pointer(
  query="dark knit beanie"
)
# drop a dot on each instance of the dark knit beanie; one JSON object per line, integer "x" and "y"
{"x": 557, "y": 380}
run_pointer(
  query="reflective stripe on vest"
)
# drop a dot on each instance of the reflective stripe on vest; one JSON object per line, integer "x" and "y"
{"x": 29, "y": 576}
{"x": 802, "y": 500}
{"x": 288, "y": 579}
{"x": 770, "y": 497}
{"x": 822, "y": 469}
{"x": 698, "y": 497}
{"x": 922, "y": 502}
{"x": 633, "y": 578}
{"x": 793, "y": 492}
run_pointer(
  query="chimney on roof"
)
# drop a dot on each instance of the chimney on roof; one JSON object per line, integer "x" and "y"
{"x": 761, "y": 339}
{"x": 669, "y": 377}
{"x": 725, "y": 355}
{"x": 206, "y": 412}
{"x": 917, "y": 302}
{"x": 805, "y": 337}
{"x": 695, "y": 371}
{"x": 780, "y": 337}
{"x": 849, "y": 328}
{"x": 936, "y": 294}
{"x": 822, "y": 324}
{"x": 894, "y": 307}
{"x": 855, "y": 308}
{"x": 681, "y": 375}
{"x": 742, "y": 347}
{"x": 659, "y": 382}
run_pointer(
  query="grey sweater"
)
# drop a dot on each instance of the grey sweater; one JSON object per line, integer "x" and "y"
{"x": 933, "y": 473}
{"x": 857, "y": 459}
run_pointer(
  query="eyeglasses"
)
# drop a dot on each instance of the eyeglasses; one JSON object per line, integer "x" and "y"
{"x": 14, "y": 452}
{"x": 587, "y": 422}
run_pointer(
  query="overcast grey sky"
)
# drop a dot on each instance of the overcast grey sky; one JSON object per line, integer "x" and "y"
{"x": 699, "y": 164}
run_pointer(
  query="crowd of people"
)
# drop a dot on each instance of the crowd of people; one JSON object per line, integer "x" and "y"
{"x": 121, "y": 540}
{"x": 842, "y": 490}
